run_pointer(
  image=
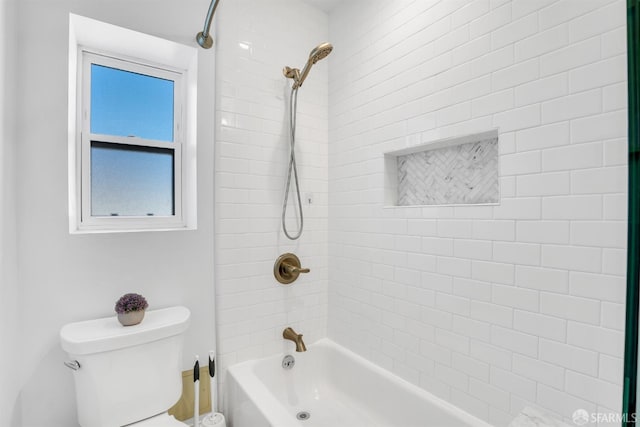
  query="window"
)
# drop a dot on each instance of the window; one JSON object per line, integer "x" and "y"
{"x": 132, "y": 159}
{"x": 131, "y": 142}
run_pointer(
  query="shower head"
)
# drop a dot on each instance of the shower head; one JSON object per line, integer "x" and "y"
{"x": 318, "y": 53}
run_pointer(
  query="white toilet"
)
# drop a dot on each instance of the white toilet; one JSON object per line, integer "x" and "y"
{"x": 127, "y": 375}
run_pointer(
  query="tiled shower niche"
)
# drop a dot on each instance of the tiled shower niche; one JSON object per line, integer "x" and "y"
{"x": 455, "y": 171}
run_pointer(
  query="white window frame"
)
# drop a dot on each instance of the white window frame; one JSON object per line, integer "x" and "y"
{"x": 125, "y": 222}
{"x": 94, "y": 42}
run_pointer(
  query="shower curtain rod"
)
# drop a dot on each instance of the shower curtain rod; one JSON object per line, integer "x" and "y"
{"x": 203, "y": 38}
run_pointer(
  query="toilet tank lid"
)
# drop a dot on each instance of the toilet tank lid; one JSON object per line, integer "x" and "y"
{"x": 107, "y": 334}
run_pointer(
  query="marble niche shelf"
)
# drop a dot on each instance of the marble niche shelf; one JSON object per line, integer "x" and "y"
{"x": 453, "y": 171}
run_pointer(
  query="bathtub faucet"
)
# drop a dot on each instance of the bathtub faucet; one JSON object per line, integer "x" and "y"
{"x": 291, "y": 335}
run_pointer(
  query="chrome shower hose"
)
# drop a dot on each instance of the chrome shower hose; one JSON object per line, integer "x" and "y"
{"x": 293, "y": 107}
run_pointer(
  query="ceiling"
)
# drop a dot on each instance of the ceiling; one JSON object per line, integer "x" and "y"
{"x": 326, "y": 5}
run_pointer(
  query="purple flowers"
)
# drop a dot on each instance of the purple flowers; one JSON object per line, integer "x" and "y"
{"x": 131, "y": 302}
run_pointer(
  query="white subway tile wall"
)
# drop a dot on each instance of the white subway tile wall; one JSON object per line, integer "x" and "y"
{"x": 498, "y": 307}
{"x": 254, "y": 41}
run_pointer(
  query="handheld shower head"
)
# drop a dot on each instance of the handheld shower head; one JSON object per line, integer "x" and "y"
{"x": 317, "y": 53}
{"x": 320, "y": 52}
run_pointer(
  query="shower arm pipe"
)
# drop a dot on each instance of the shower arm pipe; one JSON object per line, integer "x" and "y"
{"x": 203, "y": 38}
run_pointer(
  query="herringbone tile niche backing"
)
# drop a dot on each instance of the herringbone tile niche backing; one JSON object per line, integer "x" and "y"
{"x": 458, "y": 173}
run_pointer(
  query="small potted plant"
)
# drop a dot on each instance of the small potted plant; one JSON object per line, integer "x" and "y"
{"x": 130, "y": 309}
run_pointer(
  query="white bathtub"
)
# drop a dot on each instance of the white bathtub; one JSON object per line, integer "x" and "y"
{"x": 337, "y": 388}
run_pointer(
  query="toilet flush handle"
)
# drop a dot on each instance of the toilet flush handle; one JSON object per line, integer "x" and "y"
{"x": 72, "y": 364}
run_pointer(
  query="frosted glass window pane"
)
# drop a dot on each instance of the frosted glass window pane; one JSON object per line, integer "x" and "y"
{"x": 130, "y": 104}
{"x": 128, "y": 180}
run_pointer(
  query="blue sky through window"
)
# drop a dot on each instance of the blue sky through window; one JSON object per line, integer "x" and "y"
{"x": 124, "y": 103}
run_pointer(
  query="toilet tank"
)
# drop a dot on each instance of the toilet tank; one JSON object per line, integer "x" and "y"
{"x": 128, "y": 373}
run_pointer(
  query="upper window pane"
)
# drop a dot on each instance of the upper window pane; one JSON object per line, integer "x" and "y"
{"x": 124, "y": 103}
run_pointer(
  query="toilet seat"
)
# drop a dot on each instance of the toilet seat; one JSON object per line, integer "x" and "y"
{"x": 162, "y": 420}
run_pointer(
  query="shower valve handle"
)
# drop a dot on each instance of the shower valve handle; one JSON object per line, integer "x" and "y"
{"x": 287, "y": 268}
{"x": 294, "y": 269}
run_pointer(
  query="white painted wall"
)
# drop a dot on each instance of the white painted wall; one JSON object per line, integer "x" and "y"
{"x": 492, "y": 308}
{"x": 9, "y": 290}
{"x": 255, "y": 40}
{"x": 63, "y": 277}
